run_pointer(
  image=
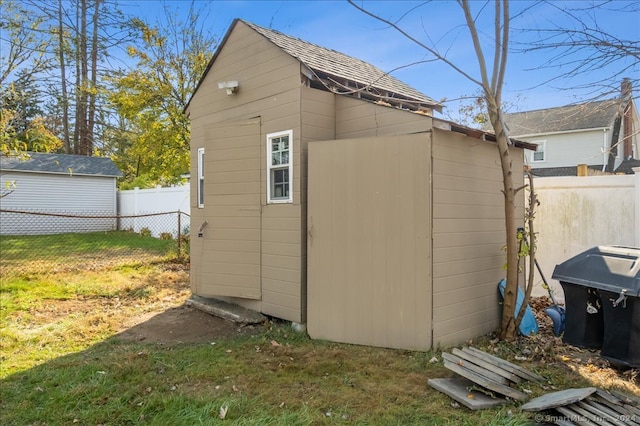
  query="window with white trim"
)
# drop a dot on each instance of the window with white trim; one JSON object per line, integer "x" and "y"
{"x": 540, "y": 154}
{"x": 200, "y": 177}
{"x": 280, "y": 167}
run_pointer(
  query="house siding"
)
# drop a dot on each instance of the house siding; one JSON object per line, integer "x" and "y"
{"x": 356, "y": 118}
{"x": 468, "y": 236}
{"x": 269, "y": 88}
{"x": 571, "y": 149}
{"x": 58, "y": 193}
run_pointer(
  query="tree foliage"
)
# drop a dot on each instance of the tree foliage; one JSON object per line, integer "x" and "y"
{"x": 151, "y": 142}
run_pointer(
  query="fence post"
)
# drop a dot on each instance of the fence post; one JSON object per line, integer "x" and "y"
{"x": 179, "y": 234}
{"x": 134, "y": 224}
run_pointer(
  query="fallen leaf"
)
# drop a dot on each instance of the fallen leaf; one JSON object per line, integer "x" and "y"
{"x": 274, "y": 343}
{"x": 223, "y": 412}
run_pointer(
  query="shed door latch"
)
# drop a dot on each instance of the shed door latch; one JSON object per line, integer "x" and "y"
{"x": 622, "y": 298}
{"x": 201, "y": 229}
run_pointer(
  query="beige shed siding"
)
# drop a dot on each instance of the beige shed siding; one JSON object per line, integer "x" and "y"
{"x": 369, "y": 249}
{"x": 468, "y": 236}
{"x": 269, "y": 88}
{"x": 356, "y": 118}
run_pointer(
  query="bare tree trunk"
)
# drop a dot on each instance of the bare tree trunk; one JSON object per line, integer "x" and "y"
{"x": 492, "y": 89}
{"x": 508, "y": 328}
{"x": 80, "y": 134}
{"x": 94, "y": 78}
{"x": 63, "y": 79}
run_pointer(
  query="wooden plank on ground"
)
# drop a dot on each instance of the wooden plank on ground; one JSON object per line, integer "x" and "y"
{"x": 557, "y": 399}
{"x": 588, "y": 415}
{"x": 503, "y": 363}
{"x": 601, "y": 414}
{"x": 475, "y": 368}
{"x": 574, "y": 417}
{"x": 614, "y": 405}
{"x": 627, "y": 399}
{"x": 610, "y": 413}
{"x": 458, "y": 389}
{"x": 562, "y": 422}
{"x": 489, "y": 366}
{"x": 486, "y": 383}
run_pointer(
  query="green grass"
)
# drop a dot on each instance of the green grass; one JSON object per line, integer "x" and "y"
{"x": 63, "y": 363}
{"x": 60, "y": 252}
{"x": 26, "y": 248}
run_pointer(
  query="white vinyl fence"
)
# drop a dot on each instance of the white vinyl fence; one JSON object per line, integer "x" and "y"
{"x": 577, "y": 213}
{"x": 155, "y": 200}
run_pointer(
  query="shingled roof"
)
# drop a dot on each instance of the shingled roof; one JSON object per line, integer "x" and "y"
{"x": 60, "y": 164}
{"x": 327, "y": 63}
{"x": 341, "y": 73}
{"x": 588, "y": 115}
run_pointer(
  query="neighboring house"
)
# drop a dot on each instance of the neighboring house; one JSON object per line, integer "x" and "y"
{"x": 602, "y": 135}
{"x": 59, "y": 184}
{"x": 325, "y": 193}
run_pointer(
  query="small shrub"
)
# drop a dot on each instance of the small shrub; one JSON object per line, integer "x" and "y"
{"x": 166, "y": 236}
{"x": 145, "y": 232}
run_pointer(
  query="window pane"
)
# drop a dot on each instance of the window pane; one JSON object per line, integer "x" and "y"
{"x": 275, "y": 158}
{"x": 280, "y": 183}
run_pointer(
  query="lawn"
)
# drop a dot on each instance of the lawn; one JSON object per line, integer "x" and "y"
{"x": 63, "y": 362}
{"x": 73, "y": 251}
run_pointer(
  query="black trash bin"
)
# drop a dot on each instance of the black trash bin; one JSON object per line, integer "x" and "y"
{"x": 602, "y": 288}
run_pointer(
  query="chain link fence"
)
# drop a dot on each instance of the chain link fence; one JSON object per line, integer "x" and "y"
{"x": 45, "y": 242}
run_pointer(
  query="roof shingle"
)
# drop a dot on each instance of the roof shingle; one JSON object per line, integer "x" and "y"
{"x": 60, "y": 163}
{"x": 588, "y": 115}
{"x": 323, "y": 60}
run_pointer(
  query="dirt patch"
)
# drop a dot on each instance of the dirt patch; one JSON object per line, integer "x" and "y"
{"x": 182, "y": 324}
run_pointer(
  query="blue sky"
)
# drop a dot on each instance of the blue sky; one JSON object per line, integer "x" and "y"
{"x": 339, "y": 26}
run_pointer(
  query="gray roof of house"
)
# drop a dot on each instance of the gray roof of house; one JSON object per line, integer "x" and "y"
{"x": 588, "y": 115}
{"x": 321, "y": 59}
{"x": 627, "y": 166}
{"x": 60, "y": 164}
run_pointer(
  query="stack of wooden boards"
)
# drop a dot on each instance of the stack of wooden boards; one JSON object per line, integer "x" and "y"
{"x": 586, "y": 406}
{"x": 486, "y": 380}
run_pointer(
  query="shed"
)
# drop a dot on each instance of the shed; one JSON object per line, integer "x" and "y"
{"x": 272, "y": 118}
{"x": 58, "y": 184}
